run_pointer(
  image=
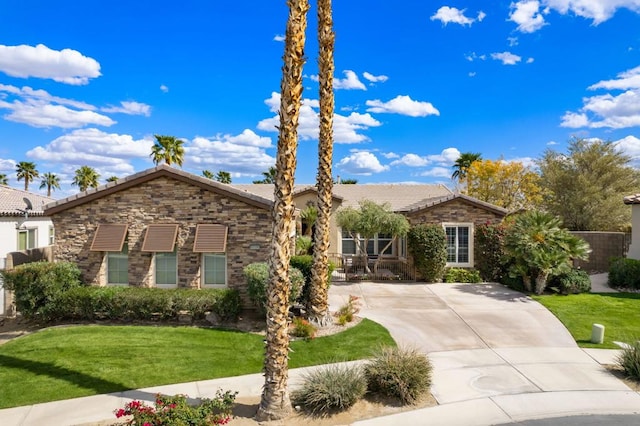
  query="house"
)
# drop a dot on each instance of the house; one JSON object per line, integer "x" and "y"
{"x": 23, "y": 226}
{"x": 634, "y": 248}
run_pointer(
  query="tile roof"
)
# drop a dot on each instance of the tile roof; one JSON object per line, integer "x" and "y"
{"x": 12, "y": 200}
{"x": 632, "y": 199}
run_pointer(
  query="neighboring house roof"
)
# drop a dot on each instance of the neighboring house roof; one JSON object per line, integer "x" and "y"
{"x": 12, "y": 201}
{"x": 151, "y": 174}
{"x": 429, "y": 203}
{"x": 632, "y": 199}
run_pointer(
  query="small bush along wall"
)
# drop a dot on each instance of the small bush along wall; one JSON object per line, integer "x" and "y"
{"x": 428, "y": 246}
{"x": 305, "y": 264}
{"x": 257, "y": 275}
{"x": 624, "y": 273}
{"x": 489, "y": 252}
{"x": 573, "y": 282}
{"x": 459, "y": 275}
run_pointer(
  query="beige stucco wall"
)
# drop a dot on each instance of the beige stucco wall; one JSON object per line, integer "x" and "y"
{"x": 164, "y": 200}
{"x": 335, "y": 240}
{"x": 634, "y": 249}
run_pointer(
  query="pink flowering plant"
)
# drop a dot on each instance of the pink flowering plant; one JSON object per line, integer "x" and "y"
{"x": 176, "y": 411}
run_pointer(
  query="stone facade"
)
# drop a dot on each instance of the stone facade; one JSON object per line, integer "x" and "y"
{"x": 164, "y": 199}
{"x": 457, "y": 210}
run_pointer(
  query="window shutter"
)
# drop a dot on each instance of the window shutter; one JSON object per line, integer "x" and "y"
{"x": 210, "y": 238}
{"x": 109, "y": 237}
{"x": 160, "y": 237}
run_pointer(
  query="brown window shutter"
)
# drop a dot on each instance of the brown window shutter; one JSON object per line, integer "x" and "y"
{"x": 160, "y": 237}
{"x": 210, "y": 238}
{"x": 109, "y": 237}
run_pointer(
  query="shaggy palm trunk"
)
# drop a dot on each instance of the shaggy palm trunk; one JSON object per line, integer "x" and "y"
{"x": 541, "y": 282}
{"x": 318, "y": 306}
{"x": 275, "y": 402}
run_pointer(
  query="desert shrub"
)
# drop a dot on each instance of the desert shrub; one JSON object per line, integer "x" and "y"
{"x": 571, "y": 282}
{"x": 257, "y": 275}
{"x": 300, "y": 327}
{"x": 629, "y": 360}
{"x": 305, "y": 264}
{"x": 330, "y": 389}
{"x": 624, "y": 273}
{"x": 460, "y": 275}
{"x": 489, "y": 251}
{"x": 404, "y": 374}
{"x": 428, "y": 247}
{"x": 304, "y": 244}
{"x": 347, "y": 311}
{"x": 36, "y": 284}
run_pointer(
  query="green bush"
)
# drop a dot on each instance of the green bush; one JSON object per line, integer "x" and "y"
{"x": 305, "y": 264}
{"x": 428, "y": 247}
{"x": 303, "y": 245}
{"x": 629, "y": 360}
{"x": 400, "y": 373}
{"x": 489, "y": 252}
{"x": 36, "y": 284}
{"x": 303, "y": 328}
{"x": 460, "y": 275}
{"x": 330, "y": 389}
{"x": 257, "y": 275}
{"x": 573, "y": 282}
{"x": 624, "y": 273}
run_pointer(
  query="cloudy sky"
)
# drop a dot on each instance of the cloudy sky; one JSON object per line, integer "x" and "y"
{"x": 417, "y": 83}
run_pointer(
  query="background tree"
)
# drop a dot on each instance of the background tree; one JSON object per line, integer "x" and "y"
{"x": 3, "y": 179}
{"x": 86, "y": 177}
{"x": 50, "y": 181}
{"x": 309, "y": 217}
{"x": 112, "y": 179}
{"x": 208, "y": 174}
{"x": 26, "y": 170}
{"x": 269, "y": 176}
{"x": 585, "y": 187}
{"x": 275, "y": 402}
{"x": 349, "y": 181}
{"x": 168, "y": 149}
{"x": 461, "y": 166}
{"x": 223, "y": 177}
{"x": 506, "y": 184}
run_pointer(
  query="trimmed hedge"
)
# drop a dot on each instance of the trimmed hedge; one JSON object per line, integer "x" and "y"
{"x": 428, "y": 246}
{"x": 489, "y": 252}
{"x": 573, "y": 282}
{"x": 257, "y": 275}
{"x": 624, "y": 273}
{"x": 460, "y": 275}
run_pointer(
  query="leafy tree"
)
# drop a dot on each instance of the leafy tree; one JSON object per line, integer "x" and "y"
{"x": 208, "y": 174}
{"x": 223, "y": 177}
{"x": 539, "y": 247}
{"x": 269, "y": 176}
{"x": 510, "y": 185}
{"x": 3, "y": 179}
{"x": 370, "y": 219}
{"x": 275, "y": 402}
{"x": 427, "y": 244}
{"x": 112, "y": 179}
{"x": 168, "y": 149}
{"x": 50, "y": 181}
{"x": 462, "y": 164}
{"x": 348, "y": 181}
{"x": 26, "y": 170}
{"x": 585, "y": 186}
{"x": 86, "y": 177}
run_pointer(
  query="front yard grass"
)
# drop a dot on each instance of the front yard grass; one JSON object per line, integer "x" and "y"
{"x": 618, "y": 312}
{"x": 69, "y": 362}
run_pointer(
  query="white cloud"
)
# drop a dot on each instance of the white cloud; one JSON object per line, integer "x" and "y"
{"x": 530, "y": 60}
{"x": 279, "y": 37}
{"x": 437, "y": 171}
{"x": 130, "y": 108}
{"x": 454, "y": 15}
{"x": 473, "y": 56}
{"x": 64, "y": 66}
{"x": 629, "y": 79}
{"x": 411, "y": 160}
{"x": 630, "y": 145}
{"x": 611, "y": 111}
{"x": 507, "y": 58}
{"x": 472, "y": 74}
{"x": 513, "y": 41}
{"x": 527, "y": 14}
{"x": 350, "y": 82}
{"x": 448, "y": 156}
{"x": 361, "y": 163}
{"x": 164, "y": 89}
{"x": 552, "y": 143}
{"x": 403, "y": 105}
{"x": 574, "y": 120}
{"x": 39, "y": 114}
{"x": 7, "y": 166}
{"x": 375, "y": 78}
{"x": 597, "y": 10}
{"x": 390, "y": 155}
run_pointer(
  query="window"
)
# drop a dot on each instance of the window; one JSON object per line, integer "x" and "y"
{"x": 214, "y": 269}
{"x": 118, "y": 266}
{"x": 375, "y": 245}
{"x": 26, "y": 239}
{"x": 459, "y": 244}
{"x": 52, "y": 236}
{"x": 166, "y": 269}
{"x": 348, "y": 243}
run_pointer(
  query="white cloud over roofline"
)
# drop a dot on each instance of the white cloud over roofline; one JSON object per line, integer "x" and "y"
{"x": 362, "y": 163}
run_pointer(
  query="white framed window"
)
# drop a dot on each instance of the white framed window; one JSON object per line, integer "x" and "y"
{"x": 459, "y": 244}
{"x": 214, "y": 270}
{"x": 52, "y": 235}
{"x": 166, "y": 269}
{"x": 27, "y": 238}
{"x": 349, "y": 245}
{"x": 118, "y": 266}
{"x": 375, "y": 245}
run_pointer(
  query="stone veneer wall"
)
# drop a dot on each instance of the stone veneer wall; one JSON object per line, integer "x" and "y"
{"x": 604, "y": 246}
{"x": 457, "y": 211}
{"x": 164, "y": 200}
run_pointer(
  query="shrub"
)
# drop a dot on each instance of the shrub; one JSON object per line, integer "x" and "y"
{"x": 175, "y": 410}
{"x": 404, "y": 374}
{"x": 257, "y": 275}
{"x": 303, "y": 328}
{"x": 305, "y": 264}
{"x": 629, "y": 360}
{"x": 459, "y": 275}
{"x": 489, "y": 252}
{"x": 303, "y": 245}
{"x": 428, "y": 246}
{"x": 347, "y": 311}
{"x": 624, "y": 273}
{"x": 330, "y": 389}
{"x": 36, "y": 284}
{"x": 571, "y": 282}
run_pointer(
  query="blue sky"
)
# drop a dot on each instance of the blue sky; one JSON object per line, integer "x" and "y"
{"x": 417, "y": 82}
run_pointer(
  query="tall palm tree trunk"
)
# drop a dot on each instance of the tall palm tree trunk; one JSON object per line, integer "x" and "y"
{"x": 275, "y": 402}
{"x": 318, "y": 309}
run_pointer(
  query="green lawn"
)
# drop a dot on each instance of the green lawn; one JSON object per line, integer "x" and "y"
{"x": 62, "y": 363}
{"x": 618, "y": 312}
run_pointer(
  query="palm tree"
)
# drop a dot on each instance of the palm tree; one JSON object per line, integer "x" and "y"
{"x": 275, "y": 402}
{"x": 309, "y": 216}
{"x": 3, "y": 179}
{"x": 112, "y": 179}
{"x": 26, "y": 170}
{"x": 318, "y": 305}
{"x": 269, "y": 176}
{"x": 462, "y": 165}
{"x": 50, "y": 181}
{"x": 223, "y": 177}
{"x": 208, "y": 174}
{"x": 168, "y": 149}
{"x": 86, "y": 177}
